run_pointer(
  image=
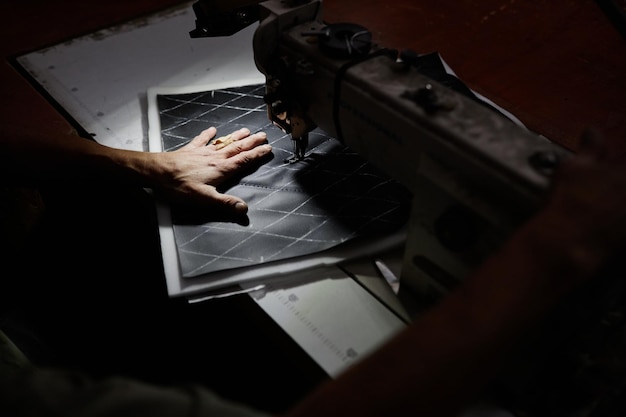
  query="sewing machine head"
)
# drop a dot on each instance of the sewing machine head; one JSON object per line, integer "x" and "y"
{"x": 287, "y": 105}
{"x": 474, "y": 173}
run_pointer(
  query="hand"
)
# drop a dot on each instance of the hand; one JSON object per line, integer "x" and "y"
{"x": 192, "y": 173}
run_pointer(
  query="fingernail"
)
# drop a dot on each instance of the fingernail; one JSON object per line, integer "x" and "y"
{"x": 241, "y": 207}
{"x": 262, "y": 134}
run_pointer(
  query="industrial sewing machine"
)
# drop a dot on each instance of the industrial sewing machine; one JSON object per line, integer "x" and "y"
{"x": 473, "y": 173}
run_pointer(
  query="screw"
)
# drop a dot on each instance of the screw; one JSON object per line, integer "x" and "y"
{"x": 545, "y": 162}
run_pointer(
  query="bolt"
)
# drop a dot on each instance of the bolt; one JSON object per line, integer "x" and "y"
{"x": 545, "y": 162}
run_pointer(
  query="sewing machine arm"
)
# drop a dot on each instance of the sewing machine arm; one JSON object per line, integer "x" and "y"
{"x": 474, "y": 173}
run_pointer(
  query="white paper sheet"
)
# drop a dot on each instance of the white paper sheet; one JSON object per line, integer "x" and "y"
{"x": 101, "y": 79}
{"x": 333, "y": 319}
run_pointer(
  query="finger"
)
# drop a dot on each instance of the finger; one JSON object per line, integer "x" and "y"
{"x": 203, "y": 138}
{"x": 223, "y": 141}
{"x": 242, "y": 158}
{"x": 245, "y": 144}
{"x": 237, "y": 135}
{"x": 240, "y": 134}
{"x": 229, "y": 203}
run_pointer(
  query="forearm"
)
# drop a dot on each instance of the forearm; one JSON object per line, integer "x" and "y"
{"x": 37, "y": 158}
{"x": 190, "y": 174}
{"x": 447, "y": 356}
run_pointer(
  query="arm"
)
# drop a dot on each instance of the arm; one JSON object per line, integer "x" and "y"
{"x": 190, "y": 174}
{"x": 448, "y": 355}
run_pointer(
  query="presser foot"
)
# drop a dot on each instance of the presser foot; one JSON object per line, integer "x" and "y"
{"x": 299, "y": 149}
{"x": 293, "y": 159}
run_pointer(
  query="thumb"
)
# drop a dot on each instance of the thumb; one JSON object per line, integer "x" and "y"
{"x": 229, "y": 203}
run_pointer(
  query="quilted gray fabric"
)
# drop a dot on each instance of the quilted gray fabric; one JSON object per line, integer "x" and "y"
{"x": 295, "y": 209}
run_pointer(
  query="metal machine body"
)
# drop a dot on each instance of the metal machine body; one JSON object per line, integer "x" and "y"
{"x": 473, "y": 173}
{"x": 474, "y": 176}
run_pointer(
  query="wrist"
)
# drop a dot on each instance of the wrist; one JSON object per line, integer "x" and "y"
{"x": 131, "y": 167}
